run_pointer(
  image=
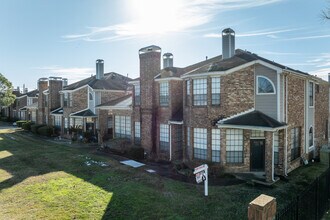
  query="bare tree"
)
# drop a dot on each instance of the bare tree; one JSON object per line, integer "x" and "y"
{"x": 326, "y": 13}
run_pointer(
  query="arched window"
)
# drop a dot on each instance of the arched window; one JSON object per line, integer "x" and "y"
{"x": 310, "y": 137}
{"x": 265, "y": 85}
{"x": 90, "y": 96}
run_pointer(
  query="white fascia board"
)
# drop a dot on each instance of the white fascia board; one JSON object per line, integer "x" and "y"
{"x": 259, "y": 128}
{"x": 107, "y": 90}
{"x": 113, "y": 108}
{"x": 135, "y": 82}
{"x": 157, "y": 75}
{"x": 226, "y": 72}
{"x": 70, "y": 91}
{"x": 175, "y": 122}
{"x": 78, "y": 112}
{"x": 21, "y": 97}
{"x": 46, "y": 92}
{"x": 168, "y": 79}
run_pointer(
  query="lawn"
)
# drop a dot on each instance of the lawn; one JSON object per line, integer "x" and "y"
{"x": 40, "y": 179}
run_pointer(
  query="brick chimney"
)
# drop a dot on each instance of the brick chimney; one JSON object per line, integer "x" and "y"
{"x": 167, "y": 60}
{"x": 42, "y": 86}
{"x": 150, "y": 61}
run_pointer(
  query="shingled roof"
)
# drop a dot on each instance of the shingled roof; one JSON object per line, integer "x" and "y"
{"x": 241, "y": 57}
{"x": 110, "y": 81}
{"x": 32, "y": 93}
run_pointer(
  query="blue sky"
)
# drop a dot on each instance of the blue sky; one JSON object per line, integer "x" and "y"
{"x": 42, "y": 38}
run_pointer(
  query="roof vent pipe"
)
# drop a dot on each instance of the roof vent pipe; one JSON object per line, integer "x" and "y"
{"x": 228, "y": 43}
{"x": 99, "y": 69}
{"x": 167, "y": 60}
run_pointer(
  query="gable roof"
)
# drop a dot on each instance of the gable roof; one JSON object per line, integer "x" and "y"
{"x": 110, "y": 81}
{"x": 58, "y": 111}
{"x": 85, "y": 113}
{"x": 241, "y": 57}
{"x": 116, "y": 101}
{"x": 32, "y": 93}
{"x": 253, "y": 118}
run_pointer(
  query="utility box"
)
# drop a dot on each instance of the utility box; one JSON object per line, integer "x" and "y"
{"x": 325, "y": 155}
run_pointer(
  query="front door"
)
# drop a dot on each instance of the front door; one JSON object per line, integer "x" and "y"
{"x": 257, "y": 151}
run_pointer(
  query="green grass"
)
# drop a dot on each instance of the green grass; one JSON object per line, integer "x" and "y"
{"x": 45, "y": 180}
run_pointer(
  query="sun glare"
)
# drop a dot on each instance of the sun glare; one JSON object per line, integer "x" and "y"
{"x": 156, "y": 17}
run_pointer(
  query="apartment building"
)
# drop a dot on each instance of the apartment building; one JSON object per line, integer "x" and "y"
{"x": 238, "y": 110}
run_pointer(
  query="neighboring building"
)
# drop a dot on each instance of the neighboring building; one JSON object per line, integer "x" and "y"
{"x": 78, "y": 100}
{"x": 243, "y": 112}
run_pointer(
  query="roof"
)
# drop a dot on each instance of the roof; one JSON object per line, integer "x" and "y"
{"x": 116, "y": 101}
{"x": 85, "y": 113}
{"x": 253, "y": 118}
{"x": 32, "y": 93}
{"x": 241, "y": 57}
{"x": 58, "y": 111}
{"x": 110, "y": 81}
{"x": 169, "y": 72}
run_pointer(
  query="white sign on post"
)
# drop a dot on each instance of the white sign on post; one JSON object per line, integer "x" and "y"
{"x": 202, "y": 175}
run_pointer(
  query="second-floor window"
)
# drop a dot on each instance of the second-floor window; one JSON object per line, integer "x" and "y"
{"x": 265, "y": 86}
{"x": 137, "y": 132}
{"x": 46, "y": 100}
{"x": 137, "y": 94}
{"x": 164, "y": 143}
{"x": 188, "y": 92}
{"x": 65, "y": 99}
{"x": 215, "y": 91}
{"x": 163, "y": 94}
{"x": 311, "y": 94}
{"x": 200, "y": 91}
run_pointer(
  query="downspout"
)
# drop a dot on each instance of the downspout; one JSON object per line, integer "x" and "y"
{"x": 273, "y": 167}
{"x": 286, "y": 129}
{"x": 170, "y": 142}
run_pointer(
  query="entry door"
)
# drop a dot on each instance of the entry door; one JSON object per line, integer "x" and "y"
{"x": 257, "y": 155}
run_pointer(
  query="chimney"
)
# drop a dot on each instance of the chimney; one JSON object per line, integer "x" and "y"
{"x": 26, "y": 90}
{"x": 167, "y": 60}
{"x": 150, "y": 60}
{"x": 99, "y": 69}
{"x": 65, "y": 82}
{"x": 23, "y": 89}
{"x": 18, "y": 89}
{"x": 228, "y": 43}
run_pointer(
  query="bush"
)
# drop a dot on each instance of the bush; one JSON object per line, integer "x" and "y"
{"x": 27, "y": 125}
{"x": 34, "y": 128}
{"x": 20, "y": 123}
{"x": 46, "y": 130}
{"x": 136, "y": 153}
{"x": 6, "y": 119}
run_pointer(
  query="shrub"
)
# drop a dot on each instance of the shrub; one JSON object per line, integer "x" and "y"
{"x": 20, "y": 123}
{"x": 46, "y": 130}
{"x": 34, "y": 128}
{"x": 27, "y": 125}
{"x": 4, "y": 119}
{"x": 136, "y": 153}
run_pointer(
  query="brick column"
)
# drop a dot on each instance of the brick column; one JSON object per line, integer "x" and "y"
{"x": 262, "y": 208}
{"x": 268, "y": 155}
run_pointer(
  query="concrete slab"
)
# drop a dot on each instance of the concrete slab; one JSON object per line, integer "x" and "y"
{"x": 132, "y": 163}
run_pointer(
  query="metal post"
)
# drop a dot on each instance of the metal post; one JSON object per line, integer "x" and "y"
{"x": 206, "y": 182}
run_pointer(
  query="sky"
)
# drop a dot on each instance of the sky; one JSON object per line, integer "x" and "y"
{"x": 64, "y": 38}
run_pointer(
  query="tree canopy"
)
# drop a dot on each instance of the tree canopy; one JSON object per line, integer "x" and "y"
{"x": 6, "y": 92}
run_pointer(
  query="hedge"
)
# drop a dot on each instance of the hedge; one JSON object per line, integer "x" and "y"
{"x": 27, "y": 125}
{"x": 46, "y": 130}
{"x": 20, "y": 123}
{"x": 136, "y": 153}
{"x": 34, "y": 128}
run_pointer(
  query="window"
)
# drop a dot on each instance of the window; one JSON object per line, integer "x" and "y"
{"x": 215, "y": 90}
{"x": 234, "y": 146}
{"x": 137, "y": 95}
{"x": 46, "y": 100}
{"x": 200, "y": 91}
{"x": 65, "y": 99}
{"x": 90, "y": 96}
{"x": 188, "y": 136}
{"x": 65, "y": 125}
{"x": 163, "y": 94}
{"x": 265, "y": 85}
{"x": 188, "y": 92}
{"x": 164, "y": 137}
{"x": 257, "y": 134}
{"x": 70, "y": 99}
{"x": 78, "y": 122}
{"x": 110, "y": 125}
{"x": 58, "y": 121}
{"x": 137, "y": 132}
{"x": 123, "y": 126}
{"x": 310, "y": 135}
{"x": 200, "y": 143}
{"x": 216, "y": 145}
{"x": 311, "y": 94}
{"x": 295, "y": 143}
{"x": 276, "y": 144}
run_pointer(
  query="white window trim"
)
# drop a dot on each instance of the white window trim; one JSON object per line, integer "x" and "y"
{"x": 271, "y": 82}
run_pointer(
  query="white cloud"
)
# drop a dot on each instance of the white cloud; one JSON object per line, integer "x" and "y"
{"x": 73, "y": 74}
{"x": 150, "y": 17}
{"x": 277, "y": 53}
{"x": 310, "y": 37}
{"x": 322, "y": 65}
